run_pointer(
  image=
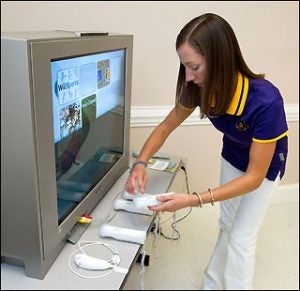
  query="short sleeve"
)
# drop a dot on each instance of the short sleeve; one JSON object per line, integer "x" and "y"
{"x": 271, "y": 124}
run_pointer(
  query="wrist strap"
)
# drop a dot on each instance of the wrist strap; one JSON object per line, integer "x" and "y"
{"x": 138, "y": 163}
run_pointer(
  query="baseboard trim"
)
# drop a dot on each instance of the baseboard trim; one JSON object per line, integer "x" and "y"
{"x": 149, "y": 116}
{"x": 288, "y": 193}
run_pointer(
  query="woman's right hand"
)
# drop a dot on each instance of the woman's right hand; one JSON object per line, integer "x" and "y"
{"x": 137, "y": 180}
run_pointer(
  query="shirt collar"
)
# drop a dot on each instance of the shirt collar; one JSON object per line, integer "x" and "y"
{"x": 237, "y": 104}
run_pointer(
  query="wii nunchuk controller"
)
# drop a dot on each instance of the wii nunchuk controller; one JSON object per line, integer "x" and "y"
{"x": 122, "y": 233}
{"x": 130, "y": 206}
{"x": 145, "y": 200}
{"x": 90, "y": 263}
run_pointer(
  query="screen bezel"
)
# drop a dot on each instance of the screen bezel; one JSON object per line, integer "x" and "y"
{"x": 42, "y": 52}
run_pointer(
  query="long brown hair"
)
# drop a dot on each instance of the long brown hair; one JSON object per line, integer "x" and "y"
{"x": 212, "y": 37}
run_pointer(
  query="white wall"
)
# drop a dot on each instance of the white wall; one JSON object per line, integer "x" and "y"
{"x": 268, "y": 33}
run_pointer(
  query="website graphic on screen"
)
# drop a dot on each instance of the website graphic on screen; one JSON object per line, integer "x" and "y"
{"x": 88, "y": 118}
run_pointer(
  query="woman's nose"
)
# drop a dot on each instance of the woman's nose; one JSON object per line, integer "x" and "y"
{"x": 189, "y": 76}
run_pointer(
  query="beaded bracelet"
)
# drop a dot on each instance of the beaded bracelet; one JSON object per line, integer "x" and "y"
{"x": 212, "y": 198}
{"x": 200, "y": 199}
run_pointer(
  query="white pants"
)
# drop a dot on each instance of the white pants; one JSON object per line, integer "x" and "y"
{"x": 231, "y": 265}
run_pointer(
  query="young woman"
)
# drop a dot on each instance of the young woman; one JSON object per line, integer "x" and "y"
{"x": 249, "y": 110}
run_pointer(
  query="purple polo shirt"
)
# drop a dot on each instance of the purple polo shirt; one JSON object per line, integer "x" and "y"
{"x": 256, "y": 114}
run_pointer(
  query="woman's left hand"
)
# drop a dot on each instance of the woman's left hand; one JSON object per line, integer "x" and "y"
{"x": 172, "y": 202}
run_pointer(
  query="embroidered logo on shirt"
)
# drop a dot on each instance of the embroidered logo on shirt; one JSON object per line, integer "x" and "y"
{"x": 241, "y": 125}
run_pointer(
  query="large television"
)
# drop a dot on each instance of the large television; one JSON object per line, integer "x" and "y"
{"x": 65, "y": 118}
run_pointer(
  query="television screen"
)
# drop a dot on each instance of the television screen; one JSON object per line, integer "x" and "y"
{"x": 88, "y": 118}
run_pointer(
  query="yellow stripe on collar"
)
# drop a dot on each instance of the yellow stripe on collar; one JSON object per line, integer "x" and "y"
{"x": 237, "y": 104}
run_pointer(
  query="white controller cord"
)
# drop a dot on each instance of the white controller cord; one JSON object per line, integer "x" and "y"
{"x": 114, "y": 261}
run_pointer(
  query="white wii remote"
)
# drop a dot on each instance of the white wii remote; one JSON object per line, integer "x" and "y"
{"x": 127, "y": 195}
{"x": 145, "y": 200}
{"x": 122, "y": 233}
{"x": 129, "y": 206}
{"x": 86, "y": 262}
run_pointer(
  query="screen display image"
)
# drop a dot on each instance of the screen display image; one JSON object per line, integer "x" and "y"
{"x": 88, "y": 118}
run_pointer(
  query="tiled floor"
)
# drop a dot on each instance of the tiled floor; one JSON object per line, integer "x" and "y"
{"x": 179, "y": 264}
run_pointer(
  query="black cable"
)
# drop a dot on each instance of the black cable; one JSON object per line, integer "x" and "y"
{"x": 186, "y": 178}
{"x": 173, "y": 225}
